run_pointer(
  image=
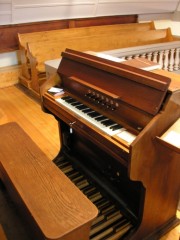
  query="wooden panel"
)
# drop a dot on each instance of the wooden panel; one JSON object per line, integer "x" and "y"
{"x": 102, "y": 21}
{"x": 125, "y": 77}
{"x": 8, "y": 36}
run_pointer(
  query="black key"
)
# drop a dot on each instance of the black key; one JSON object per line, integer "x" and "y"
{"x": 115, "y": 127}
{"x": 99, "y": 119}
{"x": 81, "y": 107}
{"x": 108, "y": 122}
{"x": 75, "y": 103}
{"x": 88, "y": 110}
{"x": 93, "y": 114}
{"x": 70, "y": 100}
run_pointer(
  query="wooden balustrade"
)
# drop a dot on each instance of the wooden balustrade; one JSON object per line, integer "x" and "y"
{"x": 167, "y": 55}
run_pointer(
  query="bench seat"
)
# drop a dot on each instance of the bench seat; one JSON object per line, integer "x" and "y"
{"x": 52, "y": 205}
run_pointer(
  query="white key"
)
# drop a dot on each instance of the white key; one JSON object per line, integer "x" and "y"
{"x": 91, "y": 120}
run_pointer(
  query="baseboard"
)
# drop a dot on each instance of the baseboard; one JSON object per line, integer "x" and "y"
{"x": 9, "y": 76}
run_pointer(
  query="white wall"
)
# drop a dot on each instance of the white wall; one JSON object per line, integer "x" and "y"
{"x": 174, "y": 25}
{"x": 22, "y": 11}
{"x": 167, "y": 20}
{"x": 163, "y": 12}
{"x": 9, "y": 59}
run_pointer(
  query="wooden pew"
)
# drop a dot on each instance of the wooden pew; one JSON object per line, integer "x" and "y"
{"x": 52, "y": 205}
{"x": 39, "y": 52}
{"x": 9, "y": 41}
{"x": 58, "y": 35}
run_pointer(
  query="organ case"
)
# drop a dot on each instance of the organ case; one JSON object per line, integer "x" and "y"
{"x": 111, "y": 118}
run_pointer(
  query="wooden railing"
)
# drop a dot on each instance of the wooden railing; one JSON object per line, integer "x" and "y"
{"x": 166, "y": 54}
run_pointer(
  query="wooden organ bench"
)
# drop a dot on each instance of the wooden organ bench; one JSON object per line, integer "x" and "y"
{"x": 41, "y": 191}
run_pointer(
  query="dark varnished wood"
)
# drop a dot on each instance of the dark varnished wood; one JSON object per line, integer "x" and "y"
{"x": 148, "y": 161}
{"x": 104, "y": 20}
{"x": 9, "y": 38}
{"x": 145, "y": 90}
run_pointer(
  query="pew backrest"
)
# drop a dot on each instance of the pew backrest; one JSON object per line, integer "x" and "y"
{"x": 54, "y": 35}
{"x": 70, "y": 33}
{"x": 46, "y": 50}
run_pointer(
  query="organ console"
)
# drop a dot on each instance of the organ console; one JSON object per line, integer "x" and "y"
{"x": 112, "y": 122}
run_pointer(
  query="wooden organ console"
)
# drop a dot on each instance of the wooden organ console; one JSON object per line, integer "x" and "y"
{"x": 112, "y": 118}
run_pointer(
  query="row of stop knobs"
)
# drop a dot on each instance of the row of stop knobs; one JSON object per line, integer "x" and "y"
{"x": 102, "y": 100}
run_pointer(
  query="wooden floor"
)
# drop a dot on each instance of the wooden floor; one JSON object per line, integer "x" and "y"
{"x": 17, "y": 105}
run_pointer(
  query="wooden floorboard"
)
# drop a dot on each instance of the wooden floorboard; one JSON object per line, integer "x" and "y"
{"x": 16, "y": 104}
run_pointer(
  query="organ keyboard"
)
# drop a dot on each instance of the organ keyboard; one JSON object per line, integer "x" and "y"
{"x": 101, "y": 122}
{"x": 111, "y": 118}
